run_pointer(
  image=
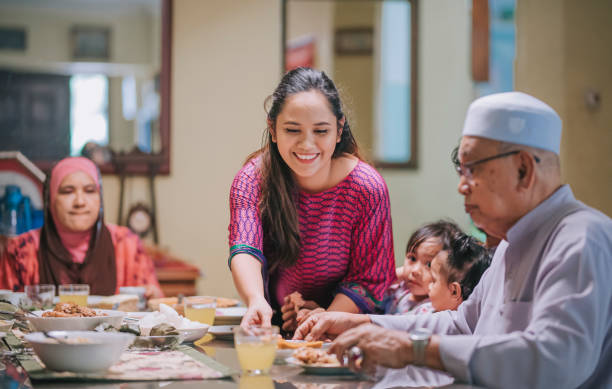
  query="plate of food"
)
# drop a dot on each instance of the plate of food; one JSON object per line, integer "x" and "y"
{"x": 222, "y": 332}
{"x": 222, "y": 302}
{"x": 318, "y": 362}
{"x": 72, "y": 317}
{"x": 285, "y": 347}
{"x": 228, "y": 316}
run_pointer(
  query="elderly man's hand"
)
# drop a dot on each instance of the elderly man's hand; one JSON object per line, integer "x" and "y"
{"x": 379, "y": 346}
{"x": 328, "y": 324}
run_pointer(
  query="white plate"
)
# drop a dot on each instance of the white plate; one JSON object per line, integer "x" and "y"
{"x": 283, "y": 353}
{"x": 231, "y": 315}
{"x": 193, "y": 334}
{"x": 320, "y": 369}
{"x": 222, "y": 332}
{"x": 40, "y": 323}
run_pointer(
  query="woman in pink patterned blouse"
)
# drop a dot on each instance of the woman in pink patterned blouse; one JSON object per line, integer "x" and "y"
{"x": 307, "y": 214}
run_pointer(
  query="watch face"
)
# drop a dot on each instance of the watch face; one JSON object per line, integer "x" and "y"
{"x": 420, "y": 334}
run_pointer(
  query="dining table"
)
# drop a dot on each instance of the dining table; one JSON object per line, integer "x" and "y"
{"x": 281, "y": 376}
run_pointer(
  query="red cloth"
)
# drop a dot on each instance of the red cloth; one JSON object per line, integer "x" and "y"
{"x": 19, "y": 263}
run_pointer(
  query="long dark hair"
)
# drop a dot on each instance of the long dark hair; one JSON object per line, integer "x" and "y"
{"x": 277, "y": 207}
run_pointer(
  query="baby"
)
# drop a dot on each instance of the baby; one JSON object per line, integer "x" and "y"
{"x": 456, "y": 270}
{"x": 411, "y": 293}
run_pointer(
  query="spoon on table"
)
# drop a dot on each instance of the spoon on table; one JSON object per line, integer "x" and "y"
{"x": 59, "y": 339}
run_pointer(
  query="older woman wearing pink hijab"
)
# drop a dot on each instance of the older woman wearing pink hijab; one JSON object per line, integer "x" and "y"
{"x": 75, "y": 246}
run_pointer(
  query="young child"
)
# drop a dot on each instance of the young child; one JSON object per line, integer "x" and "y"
{"x": 456, "y": 270}
{"x": 410, "y": 293}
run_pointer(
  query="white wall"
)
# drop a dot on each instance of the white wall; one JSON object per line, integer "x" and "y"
{"x": 226, "y": 60}
{"x": 445, "y": 91}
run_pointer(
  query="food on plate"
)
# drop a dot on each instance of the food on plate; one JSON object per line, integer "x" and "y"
{"x": 106, "y": 327}
{"x": 222, "y": 302}
{"x": 163, "y": 329}
{"x": 153, "y": 304}
{"x": 167, "y": 315}
{"x": 119, "y": 302}
{"x": 313, "y": 356}
{"x": 71, "y": 310}
{"x": 297, "y": 300}
{"x": 285, "y": 344}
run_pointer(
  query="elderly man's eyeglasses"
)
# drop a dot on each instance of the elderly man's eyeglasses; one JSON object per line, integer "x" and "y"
{"x": 467, "y": 169}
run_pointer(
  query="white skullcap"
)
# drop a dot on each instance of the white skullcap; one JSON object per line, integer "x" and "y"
{"x": 514, "y": 117}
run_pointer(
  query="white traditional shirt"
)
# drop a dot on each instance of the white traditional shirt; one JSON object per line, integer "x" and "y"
{"x": 541, "y": 316}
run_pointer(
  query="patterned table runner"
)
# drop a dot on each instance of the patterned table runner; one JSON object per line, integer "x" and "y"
{"x": 183, "y": 363}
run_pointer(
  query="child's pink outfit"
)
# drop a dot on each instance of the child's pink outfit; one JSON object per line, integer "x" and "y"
{"x": 398, "y": 301}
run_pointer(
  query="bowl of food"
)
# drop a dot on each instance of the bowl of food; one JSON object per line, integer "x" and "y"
{"x": 79, "y": 351}
{"x": 161, "y": 337}
{"x": 71, "y": 317}
{"x": 158, "y": 343}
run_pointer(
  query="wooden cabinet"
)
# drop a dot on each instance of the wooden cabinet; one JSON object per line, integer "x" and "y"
{"x": 175, "y": 275}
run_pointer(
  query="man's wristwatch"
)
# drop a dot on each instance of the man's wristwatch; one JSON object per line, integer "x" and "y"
{"x": 420, "y": 339}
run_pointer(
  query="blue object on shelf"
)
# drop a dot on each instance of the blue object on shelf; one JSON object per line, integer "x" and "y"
{"x": 16, "y": 213}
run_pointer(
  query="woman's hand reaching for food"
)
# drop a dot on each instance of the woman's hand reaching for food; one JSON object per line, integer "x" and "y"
{"x": 258, "y": 312}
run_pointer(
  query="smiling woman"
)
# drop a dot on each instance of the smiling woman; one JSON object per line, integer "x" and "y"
{"x": 307, "y": 213}
{"x": 75, "y": 246}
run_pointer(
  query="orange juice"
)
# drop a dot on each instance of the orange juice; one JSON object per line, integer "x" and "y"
{"x": 256, "y": 356}
{"x": 79, "y": 299}
{"x": 202, "y": 313}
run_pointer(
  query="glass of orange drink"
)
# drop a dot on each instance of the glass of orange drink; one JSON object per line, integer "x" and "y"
{"x": 74, "y": 293}
{"x": 256, "y": 348}
{"x": 201, "y": 309}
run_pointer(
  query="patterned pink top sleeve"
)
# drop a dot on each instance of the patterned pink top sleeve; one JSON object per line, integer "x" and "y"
{"x": 345, "y": 234}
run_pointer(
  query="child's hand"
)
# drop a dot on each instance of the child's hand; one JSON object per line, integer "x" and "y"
{"x": 293, "y": 303}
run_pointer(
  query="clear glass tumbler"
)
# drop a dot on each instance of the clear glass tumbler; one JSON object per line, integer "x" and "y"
{"x": 256, "y": 348}
{"x": 39, "y": 296}
{"x": 74, "y": 293}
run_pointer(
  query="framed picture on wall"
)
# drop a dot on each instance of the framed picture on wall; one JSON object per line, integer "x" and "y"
{"x": 90, "y": 43}
{"x": 354, "y": 41}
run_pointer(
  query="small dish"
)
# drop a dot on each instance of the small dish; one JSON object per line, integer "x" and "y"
{"x": 158, "y": 343}
{"x": 222, "y": 332}
{"x": 283, "y": 353}
{"x": 228, "y": 316}
{"x": 193, "y": 334}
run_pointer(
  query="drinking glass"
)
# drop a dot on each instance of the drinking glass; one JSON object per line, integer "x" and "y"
{"x": 74, "y": 293}
{"x": 201, "y": 308}
{"x": 255, "y": 382}
{"x": 256, "y": 348}
{"x": 39, "y": 296}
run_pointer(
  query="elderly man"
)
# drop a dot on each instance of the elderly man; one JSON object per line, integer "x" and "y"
{"x": 541, "y": 317}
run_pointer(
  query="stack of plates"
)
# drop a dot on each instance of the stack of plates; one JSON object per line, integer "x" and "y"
{"x": 229, "y": 316}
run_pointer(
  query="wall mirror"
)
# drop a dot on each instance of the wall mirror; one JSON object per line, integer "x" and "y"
{"x": 87, "y": 75}
{"x": 369, "y": 49}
